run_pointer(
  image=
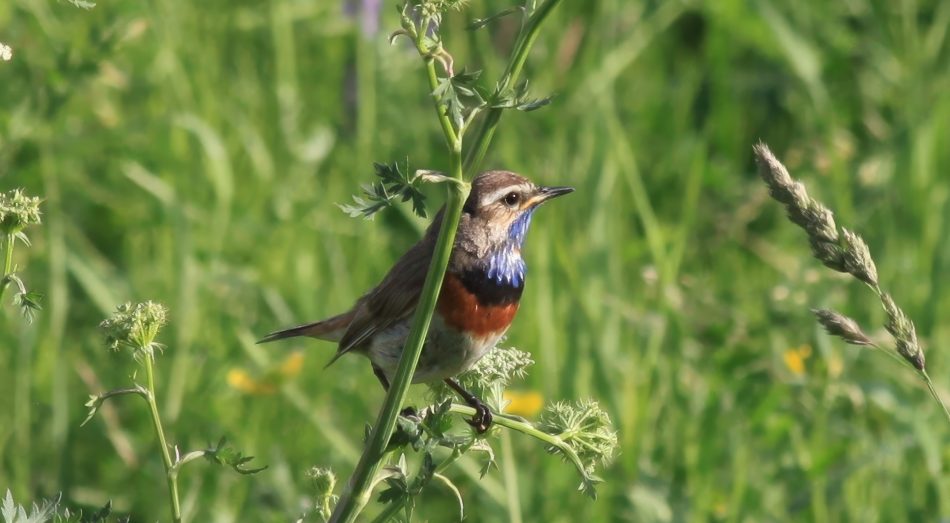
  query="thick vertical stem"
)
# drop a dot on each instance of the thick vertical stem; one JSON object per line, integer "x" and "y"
{"x": 7, "y": 261}
{"x": 357, "y": 492}
{"x": 171, "y": 473}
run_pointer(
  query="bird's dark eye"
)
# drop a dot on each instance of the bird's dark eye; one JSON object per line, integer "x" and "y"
{"x": 512, "y": 199}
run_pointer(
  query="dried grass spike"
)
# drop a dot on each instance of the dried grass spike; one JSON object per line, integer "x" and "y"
{"x": 857, "y": 258}
{"x": 828, "y": 253}
{"x": 839, "y": 325}
{"x": 904, "y": 333}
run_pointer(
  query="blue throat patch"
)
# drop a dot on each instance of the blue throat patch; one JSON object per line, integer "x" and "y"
{"x": 505, "y": 265}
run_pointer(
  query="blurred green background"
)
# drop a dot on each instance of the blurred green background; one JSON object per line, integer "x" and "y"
{"x": 193, "y": 153}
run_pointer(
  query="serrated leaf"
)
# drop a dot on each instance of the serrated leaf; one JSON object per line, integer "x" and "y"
{"x": 427, "y": 469}
{"x": 100, "y": 515}
{"x": 393, "y": 184}
{"x": 587, "y": 486}
{"x": 479, "y": 23}
{"x": 531, "y": 105}
{"x": 9, "y": 509}
{"x": 517, "y": 98}
{"x": 448, "y": 97}
{"x": 224, "y": 455}
{"x": 20, "y": 235}
{"x": 29, "y": 303}
{"x": 95, "y": 401}
{"x": 460, "y": 95}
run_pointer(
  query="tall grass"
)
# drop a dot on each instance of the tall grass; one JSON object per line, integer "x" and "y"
{"x": 192, "y": 153}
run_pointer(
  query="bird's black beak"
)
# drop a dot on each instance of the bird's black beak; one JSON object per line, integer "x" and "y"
{"x": 546, "y": 193}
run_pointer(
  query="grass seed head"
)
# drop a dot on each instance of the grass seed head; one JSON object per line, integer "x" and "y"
{"x": 839, "y": 325}
{"x": 857, "y": 258}
{"x": 904, "y": 333}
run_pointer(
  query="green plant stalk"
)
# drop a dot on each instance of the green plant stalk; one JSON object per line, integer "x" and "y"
{"x": 526, "y": 38}
{"x": 171, "y": 472}
{"x": 511, "y": 479}
{"x": 357, "y": 492}
{"x": 920, "y": 372}
{"x": 451, "y": 136}
{"x": 529, "y": 430}
{"x": 7, "y": 261}
{"x": 933, "y": 392}
{"x": 394, "y": 507}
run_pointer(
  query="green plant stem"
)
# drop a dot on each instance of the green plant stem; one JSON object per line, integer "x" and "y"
{"x": 451, "y": 136}
{"x": 8, "y": 240}
{"x": 358, "y": 490}
{"x": 357, "y": 493}
{"x": 394, "y": 507}
{"x": 171, "y": 472}
{"x": 511, "y": 479}
{"x": 528, "y": 429}
{"x": 526, "y": 38}
{"x": 388, "y": 513}
{"x": 933, "y": 392}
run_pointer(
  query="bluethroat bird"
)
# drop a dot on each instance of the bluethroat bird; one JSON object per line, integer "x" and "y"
{"x": 477, "y": 302}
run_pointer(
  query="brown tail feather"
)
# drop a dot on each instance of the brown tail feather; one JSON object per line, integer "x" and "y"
{"x": 330, "y": 329}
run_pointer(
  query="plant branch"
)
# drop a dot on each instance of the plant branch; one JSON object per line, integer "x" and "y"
{"x": 7, "y": 261}
{"x": 933, "y": 392}
{"x": 475, "y": 156}
{"x": 359, "y": 488}
{"x": 357, "y": 493}
{"x": 451, "y": 134}
{"x": 529, "y": 430}
{"x": 171, "y": 472}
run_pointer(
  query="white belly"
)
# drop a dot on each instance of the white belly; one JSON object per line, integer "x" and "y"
{"x": 447, "y": 352}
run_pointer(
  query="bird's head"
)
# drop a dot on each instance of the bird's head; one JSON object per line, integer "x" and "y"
{"x": 497, "y": 214}
{"x": 505, "y": 201}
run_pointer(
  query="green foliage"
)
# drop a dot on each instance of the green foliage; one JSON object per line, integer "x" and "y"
{"x": 670, "y": 287}
{"x": 50, "y": 510}
{"x": 393, "y": 184}
{"x": 17, "y": 210}
{"x": 222, "y": 454}
{"x": 587, "y": 430}
{"x": 135, "y": 327}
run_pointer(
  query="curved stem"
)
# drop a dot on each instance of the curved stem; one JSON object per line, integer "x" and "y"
{"x": 529, "y": 430}
{"x": 171, "y": 472}
{"x": 451, "y": 136}
{"x": 7, "y": 261}
{"x": 357, "y": 491}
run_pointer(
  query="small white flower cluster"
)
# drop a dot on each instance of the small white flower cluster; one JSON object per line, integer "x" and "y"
{"x": 6, "y": 52}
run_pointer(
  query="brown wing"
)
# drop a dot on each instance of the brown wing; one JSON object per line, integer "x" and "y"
{"x": 395, "y": 298}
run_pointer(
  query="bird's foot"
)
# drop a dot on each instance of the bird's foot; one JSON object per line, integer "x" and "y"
{"x": 410, "y": 413}
{"x": 482, "y": 419}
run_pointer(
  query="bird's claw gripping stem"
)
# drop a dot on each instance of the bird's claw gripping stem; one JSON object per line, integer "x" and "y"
{"x": 482, "y": 419}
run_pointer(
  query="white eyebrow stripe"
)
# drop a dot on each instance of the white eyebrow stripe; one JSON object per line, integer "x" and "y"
{"x": 498, "y": 193}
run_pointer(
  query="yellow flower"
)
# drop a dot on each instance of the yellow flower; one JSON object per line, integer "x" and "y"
{"x": 240, "y": 380}
{"x": 291, "y": 366}
{"x": 243, "y": 381}
{"x": 795, "y": 359}
{"x": 524, "y": 404}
